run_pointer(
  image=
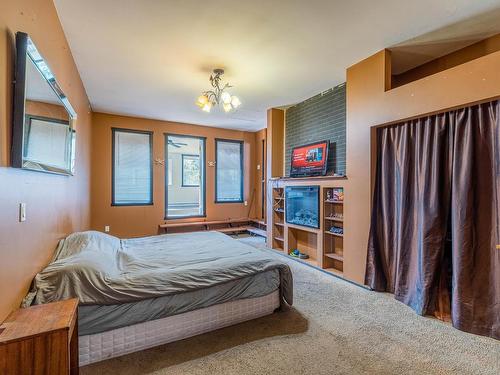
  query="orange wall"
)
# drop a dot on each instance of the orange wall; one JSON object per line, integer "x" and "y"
{"x": 46, "y": 110}
{"x": 368, "y": 105}
{"x": 472, "y": 52}
{"x": 135, "y": 221}
{"x": 56, "y": 205}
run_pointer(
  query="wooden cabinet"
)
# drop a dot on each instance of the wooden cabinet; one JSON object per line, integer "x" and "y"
{"x": 325, "y": 246}
{"x": 40, "y": 339}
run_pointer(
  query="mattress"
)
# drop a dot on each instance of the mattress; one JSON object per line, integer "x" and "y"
{"x": 101, "y": 318}
{"x": 99, "y": 269}
{"x": 120, "y": 341}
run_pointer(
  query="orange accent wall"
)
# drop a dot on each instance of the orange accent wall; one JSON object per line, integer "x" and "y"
{"x": 56, "y": 205}
{"x": 368, "y": 105}
{"x": 46, "y": 110}
{"x": 136, "y": 221}
{"x": 469, "y": 53}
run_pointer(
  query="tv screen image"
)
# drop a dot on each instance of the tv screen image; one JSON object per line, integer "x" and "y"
{"x": 309, "y": 160}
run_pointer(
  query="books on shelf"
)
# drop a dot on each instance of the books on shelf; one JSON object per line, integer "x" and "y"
{"x": 335, "y": 195}
{"x": 335, "y": 217}
{"x": 337, "y": 230}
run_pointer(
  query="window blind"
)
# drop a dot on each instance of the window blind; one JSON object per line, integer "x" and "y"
{"x": 229, "y": 174}
{"x": 132, "y": 172}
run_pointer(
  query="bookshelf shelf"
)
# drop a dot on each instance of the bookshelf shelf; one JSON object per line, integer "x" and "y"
{"x": 278, "y": 228}
{"x": 334, "y": 219}
{"x": 338, "y": 257}
{"x": 333, "y": 216}
{"x": 334, "y": 234}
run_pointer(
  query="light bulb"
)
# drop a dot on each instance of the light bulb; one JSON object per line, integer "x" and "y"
{"x": 226, "y": 97}
{"x": 235, "y": 102}
{"x": 202, "y": 100}
{"x": 207, "y": 107}
{"x": 227, "y": 107}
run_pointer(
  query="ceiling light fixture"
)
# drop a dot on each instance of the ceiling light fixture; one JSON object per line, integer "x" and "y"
{"x": 219, "y": 95}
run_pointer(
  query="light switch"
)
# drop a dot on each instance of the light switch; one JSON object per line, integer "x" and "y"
{"x": 22, "y": 212}
{"x": 258, "y": 167}
{"x": 106, "y": 228}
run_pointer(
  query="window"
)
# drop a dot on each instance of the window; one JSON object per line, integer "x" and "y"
{"x": 169, "y": 173}
{"x": 47, "y": 141}
{"x": 185, "y": 191}
{"x": 229, "y": 171}
{"x": 132, "y": 168}
{"x": 190, "y": 170}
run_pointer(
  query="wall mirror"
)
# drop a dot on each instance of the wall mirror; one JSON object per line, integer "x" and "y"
{"x": 43, "y": 135}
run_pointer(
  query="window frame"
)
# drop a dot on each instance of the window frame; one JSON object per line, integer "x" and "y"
{"x": 242, "y": 163}
{"x": 26, "y": 135}
{"x": 150, "y": 134}
{"x": 203, "y": 178}
{"x": 182, "y": 172}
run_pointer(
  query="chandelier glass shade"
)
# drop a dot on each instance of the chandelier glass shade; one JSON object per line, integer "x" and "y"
{"x": 218, "y": 95}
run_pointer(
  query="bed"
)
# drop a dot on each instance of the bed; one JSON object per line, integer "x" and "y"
{"x": 138, "y": 293}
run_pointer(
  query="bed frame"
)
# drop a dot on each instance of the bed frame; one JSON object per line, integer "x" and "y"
{"x": 100, "y": 346}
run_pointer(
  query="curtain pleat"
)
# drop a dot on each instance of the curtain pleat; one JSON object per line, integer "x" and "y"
{"x": 409, "y": 225}
{"x": 475, "y": 222}
{"x": 427, "y": 170}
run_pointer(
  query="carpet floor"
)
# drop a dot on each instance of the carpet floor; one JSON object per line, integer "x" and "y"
{"x": 334, "y": 327}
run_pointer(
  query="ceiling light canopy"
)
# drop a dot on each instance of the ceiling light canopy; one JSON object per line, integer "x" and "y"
{"x": 218, "y": 95}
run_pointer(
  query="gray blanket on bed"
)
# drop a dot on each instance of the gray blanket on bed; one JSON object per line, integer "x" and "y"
{"x": 100, "y": 269}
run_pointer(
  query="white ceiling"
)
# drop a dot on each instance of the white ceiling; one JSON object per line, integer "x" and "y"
{"x": 37, "y": 88}
{"x": 152, "y": 58}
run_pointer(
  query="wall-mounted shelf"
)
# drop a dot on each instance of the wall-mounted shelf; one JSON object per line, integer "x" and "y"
{"x": 312, "y": 179}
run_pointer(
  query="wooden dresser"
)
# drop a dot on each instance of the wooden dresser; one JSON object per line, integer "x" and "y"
{"x": 40, "y": 339}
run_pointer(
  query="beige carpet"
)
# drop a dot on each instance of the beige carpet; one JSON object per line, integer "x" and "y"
{"x": 333, "y": 328}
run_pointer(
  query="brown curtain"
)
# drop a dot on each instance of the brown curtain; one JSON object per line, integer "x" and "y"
{"x": 439, "y": 175}
{"x": 475, "y": 209}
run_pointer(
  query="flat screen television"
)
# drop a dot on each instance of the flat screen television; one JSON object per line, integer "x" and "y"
{"x": 309, "y": 160}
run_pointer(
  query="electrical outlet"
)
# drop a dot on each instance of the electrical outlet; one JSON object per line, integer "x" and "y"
{"x": 258, "y": 167}
{"x": 106, "y": 229}
{"x": 22, "y": 212}
{"x": 246, "y": 203}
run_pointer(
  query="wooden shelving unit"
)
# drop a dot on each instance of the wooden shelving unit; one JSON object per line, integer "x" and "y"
{"x": 333, "y": 217}
{"x": 324, "y": 247}
{"x": 278, "y": 218}
{"x": 306, "y": 240}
